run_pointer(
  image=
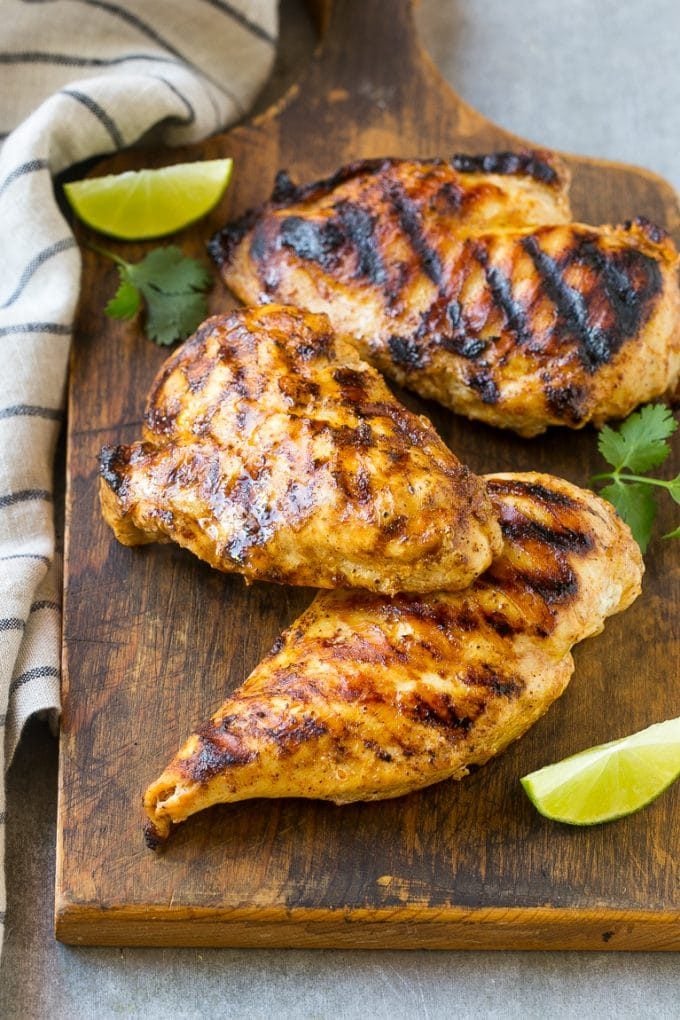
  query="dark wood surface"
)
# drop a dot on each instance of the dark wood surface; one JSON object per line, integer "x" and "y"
{"x": 154, "y": 640}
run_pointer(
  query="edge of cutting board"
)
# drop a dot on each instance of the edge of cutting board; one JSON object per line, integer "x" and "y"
{"x": 410, "y": 927}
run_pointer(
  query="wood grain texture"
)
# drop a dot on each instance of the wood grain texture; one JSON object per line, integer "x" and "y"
{"x": 154, "y": 640}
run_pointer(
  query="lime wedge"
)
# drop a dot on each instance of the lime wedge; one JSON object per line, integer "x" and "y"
{"x": 141, "y": 204}
{"x": 609, "y": 781}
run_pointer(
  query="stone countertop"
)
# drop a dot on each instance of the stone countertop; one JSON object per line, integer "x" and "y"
{"x": 595, "y": 78}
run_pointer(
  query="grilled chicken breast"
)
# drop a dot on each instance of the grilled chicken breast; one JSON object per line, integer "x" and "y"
{"x": 272, "y": 450}
{"x": 367, "y": 697}
{"x": 466, "y": 282}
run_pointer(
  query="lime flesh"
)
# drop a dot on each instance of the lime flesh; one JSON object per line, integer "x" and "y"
{"x": 607, "y": 782}
{"x": 142, "y": 204}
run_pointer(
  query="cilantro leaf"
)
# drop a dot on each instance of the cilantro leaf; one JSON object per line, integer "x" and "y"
{"x": 635, "y": 505}
{"x": 674, "y": 488}
{"x": 170, "y": 271}
{"x": 171, "y": 317}
{"x": 126, "y": 300}
{"x": 172, "y": 286}
{"x": 640, "y": 442}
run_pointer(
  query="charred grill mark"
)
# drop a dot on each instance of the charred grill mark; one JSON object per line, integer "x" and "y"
{"x": 406, "y": 352}
{"x": 360, "y": 438}
{"x": 570, "y": 305}
{"x": 519, "y": 528}
{"x": 284, "y": 189}
{"x": 258, "y": 520}
{"x": 197, "y": 372}
{"x": 319, "y": 345}
{"x": 310, "y": 240}
{"x": 216, "y": 753}
{"x": 406, "y": 425}
{"x": 436, "y": 710}
{"x": 352, "y": 386}
{"x": 467, "y": 347}
{"x": 161, "y": 419}
{"x": 202, "y": 423}
{"x": 654, "y": 232}
{"x": 526, "y": 164}
{"x": 483, "y": 383}
{"x": 567, "y": 402}
{"x": 502, "y": 626}
{"x": 445, "y": 618}
{"x": 396, "y": 526}
{"x": 152, "y": 837}
{"x": 357, "y": 648}
{"x": 298, "y": 390}
{"x": 552, "y": 588}
{"x": 532, "y": 490}
{"x": 378, "y": 751}
{"x": 454, "y": 314}
{"x": 350, "y": 377}
{"x": 355, "y": 486}
{"x": 212, "y": 481}
{"x": 260, "y": 240}
{"x": 358, "y": 228}
{"x": 165, "y": 516}
{"x": 501, "y": 293}
{"x": 629, "y": 280}
{"x": 497, "y": 683}
{"x": 223, "y": 244}
{"x": 626, "y": 282}
{"x": 113, "y": 460}
{"x": 449, "y": 197}
{"x": 290, "y": 734}
{"x": 411, "y": 222}
{"x": 277, "y": 646}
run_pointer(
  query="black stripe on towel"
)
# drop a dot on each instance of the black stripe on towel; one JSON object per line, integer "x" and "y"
{"x": 25, "y": 496}
{"x": 31, "y": 411}
{"x": 37, "y": 673}
{"x": 25, "y": 556}
{"x": 36, "y": 262}
{"x": 240, "y": 18}
{"x": 151, "y": 33}
{"x": 58, "y": 328}
{"x": 191, "y": 113}
{"x": 105, "y": 119}
{"x": 31, "y": 167}
{"x": 44, "y": 604}
{"x": 74, "y": 60}
{"x": 12, "y": 623}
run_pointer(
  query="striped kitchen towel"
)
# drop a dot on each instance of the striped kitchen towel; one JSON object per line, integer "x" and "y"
{"x": 79, "y": 78}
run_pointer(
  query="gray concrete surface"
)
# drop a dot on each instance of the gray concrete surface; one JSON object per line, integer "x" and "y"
{"x": 592, "y": 76}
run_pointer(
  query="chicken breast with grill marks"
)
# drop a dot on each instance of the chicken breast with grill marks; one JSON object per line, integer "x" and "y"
{"x": 367, "y": 697}
{"x": 466, "y": 282}
{"x": 270, "y": 449}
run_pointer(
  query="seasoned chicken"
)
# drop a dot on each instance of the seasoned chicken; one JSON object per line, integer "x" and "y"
{"x": 466, "y": 282}
{"x": 271, "y": 450}
{"x": 367, "y": 697}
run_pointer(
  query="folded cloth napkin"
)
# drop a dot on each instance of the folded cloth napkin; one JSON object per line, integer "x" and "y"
{"x": 80, "y": 78}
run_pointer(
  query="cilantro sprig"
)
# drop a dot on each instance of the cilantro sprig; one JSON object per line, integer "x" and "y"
{"x": 639, "y": 444}
{"x": 170, "y": 285}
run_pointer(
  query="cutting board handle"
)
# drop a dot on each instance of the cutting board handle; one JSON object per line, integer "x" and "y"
{"x": 372, "y": 41}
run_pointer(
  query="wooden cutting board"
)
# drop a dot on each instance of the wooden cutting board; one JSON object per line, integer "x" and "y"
{"x": 154, "y": 640}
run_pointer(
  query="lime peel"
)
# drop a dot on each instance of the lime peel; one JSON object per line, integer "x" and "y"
{"x": 609, "y": 781}
{"x": 142, "y": 204}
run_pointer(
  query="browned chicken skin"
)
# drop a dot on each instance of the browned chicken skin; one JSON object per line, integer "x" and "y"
{"x": 466, "y": 282}
{"x": 271, "y": 450}
{"x": 366, "y": 697}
